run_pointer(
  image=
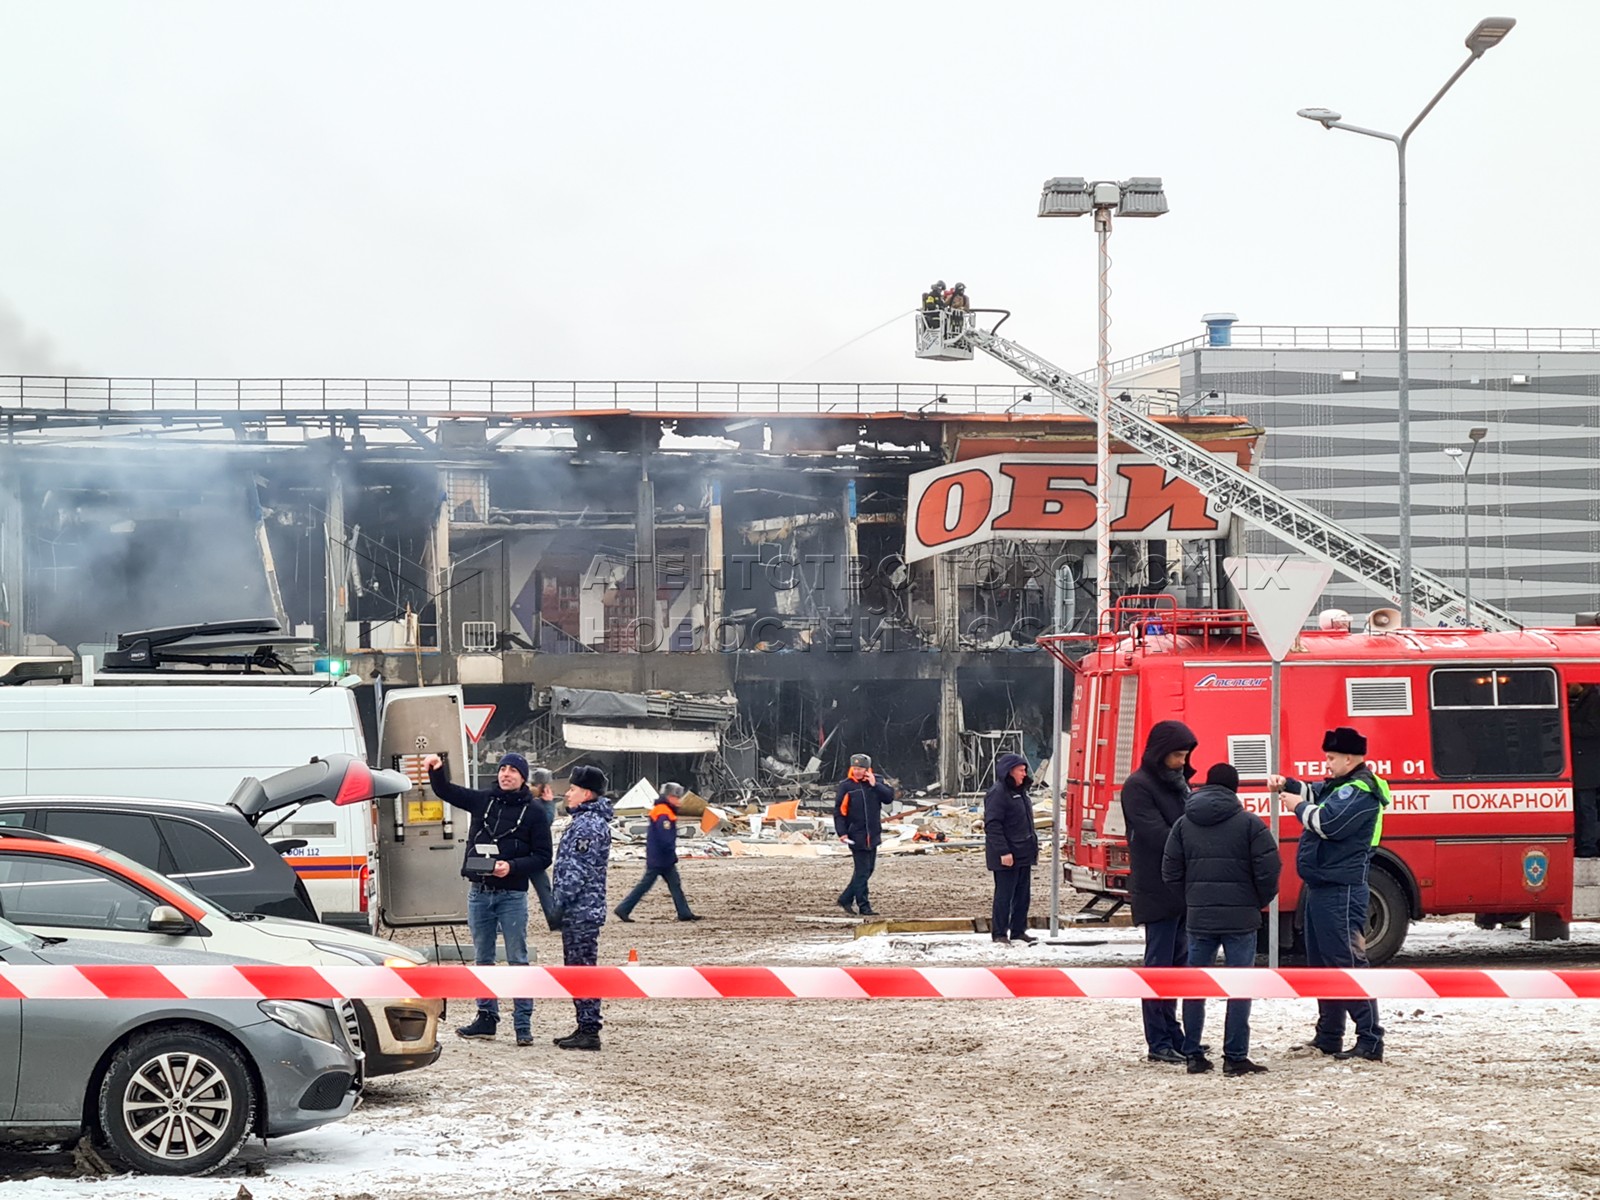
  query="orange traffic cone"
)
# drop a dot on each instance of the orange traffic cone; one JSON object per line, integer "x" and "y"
{"x": 633, "y": 954}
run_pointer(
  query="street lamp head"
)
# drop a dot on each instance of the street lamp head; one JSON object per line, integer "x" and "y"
{"x": 1489, "y": 33}
{"x": 1477, "y": 435}
{"x": 1454, "y": 452}
{"x": 1323, "y": 116}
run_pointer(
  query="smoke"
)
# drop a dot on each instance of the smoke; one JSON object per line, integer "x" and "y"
{"x": 25, "y": 353}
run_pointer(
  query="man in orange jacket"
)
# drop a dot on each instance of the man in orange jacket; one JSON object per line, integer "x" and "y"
{"x": 858, "y": 820}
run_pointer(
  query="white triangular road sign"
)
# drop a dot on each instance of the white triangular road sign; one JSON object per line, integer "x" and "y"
{"x": 1279, "y": 593}
{"x": 475, "y": 719}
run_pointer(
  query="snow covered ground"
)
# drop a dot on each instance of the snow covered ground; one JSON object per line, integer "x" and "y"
{"x": 944, "y": 1100}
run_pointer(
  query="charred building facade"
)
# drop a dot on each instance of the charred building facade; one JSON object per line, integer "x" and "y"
{"x": 734, "y": 559}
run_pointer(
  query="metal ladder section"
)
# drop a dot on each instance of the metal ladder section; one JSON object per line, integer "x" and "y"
{"x": 1228, "y": 487}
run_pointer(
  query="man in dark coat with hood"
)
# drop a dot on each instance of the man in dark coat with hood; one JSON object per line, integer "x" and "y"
{"x": 1227, "y": 864}
{"x": 1152, "y": 801}
{"x": 1010, "y": 848}
{"x": 508, "y": 844}
{"x": 1341, "y": 819}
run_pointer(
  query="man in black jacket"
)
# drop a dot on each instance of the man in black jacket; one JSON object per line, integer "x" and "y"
{"x": 858, "y": 820}
{"x": 1152, "y": 802}
{"x": 1583, "y": 723}
{"x": 1225, "y": 861}
{"x": 1010, "y": 848}
{"x": 509, "y": 840}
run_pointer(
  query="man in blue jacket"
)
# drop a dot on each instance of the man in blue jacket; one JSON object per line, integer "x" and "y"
{"x": 661, "y": 856}
{"x": 1341, "y": 821}
{"x": 858, "y": 820}
{"x": 579, "y": 888}
{"x": 508, "y": 843}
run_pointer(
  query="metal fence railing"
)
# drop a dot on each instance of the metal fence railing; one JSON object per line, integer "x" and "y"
{"x": 1371, "y": 337}
{"x": 508, "y": 398}
{"x": 285, "y": 398}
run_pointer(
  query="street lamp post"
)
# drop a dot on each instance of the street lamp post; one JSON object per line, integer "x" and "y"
{"x": 1485, "y": 35}
{"x": 1454, "y": 452}
{"x": 1074, "y": 196}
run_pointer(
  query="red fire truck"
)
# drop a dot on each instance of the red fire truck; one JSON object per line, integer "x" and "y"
{"x": 1469, "y": 726}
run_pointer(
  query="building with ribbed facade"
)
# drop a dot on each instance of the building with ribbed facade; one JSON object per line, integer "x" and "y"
{"x": 1327, "y": 398}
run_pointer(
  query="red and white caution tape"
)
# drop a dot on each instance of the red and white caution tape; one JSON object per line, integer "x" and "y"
{"x": 787, "y": 983}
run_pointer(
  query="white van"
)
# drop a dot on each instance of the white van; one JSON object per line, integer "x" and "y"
{"x": 193, "y": 737}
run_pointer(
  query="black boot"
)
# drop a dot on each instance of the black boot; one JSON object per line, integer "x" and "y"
{"x": 1241, "y": 1066}
{"x": 579, "y": 1040}
{"x": 483, "y": 1026}
{"x": 1368, "y": 1053}
{"x": 622, "y": 916}
{"x": 1199, "y": 1064}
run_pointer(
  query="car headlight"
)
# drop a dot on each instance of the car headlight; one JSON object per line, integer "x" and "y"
{"x": 312, "y": 1020}
{"x": 367, "y": 958}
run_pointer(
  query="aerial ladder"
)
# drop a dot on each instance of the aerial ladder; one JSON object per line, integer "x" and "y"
{"x": 953, "y": 335}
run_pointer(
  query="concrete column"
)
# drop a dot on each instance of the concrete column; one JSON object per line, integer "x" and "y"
{"x": 12, "y": 567}
{"x": 274, "y": 594}
{"x": 443, "y": 578}
{"x": 336, "y": 567}
{"x": 716, "y": 599}
{"x": 852, "y": 546}
{"x": 644, "y": 566}
{"x": 946, "y": 599}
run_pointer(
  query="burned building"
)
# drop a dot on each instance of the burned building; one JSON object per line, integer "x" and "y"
{"x": 778, "y": 577}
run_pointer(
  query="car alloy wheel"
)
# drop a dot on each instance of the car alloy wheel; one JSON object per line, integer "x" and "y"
{"x": 176, "y": 1102}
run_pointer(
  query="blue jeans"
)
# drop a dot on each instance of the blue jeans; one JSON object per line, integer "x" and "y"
{"x": 1336, "y": 922}
{"x": 1166, "y": 944}
{"x": 493, "y": 913}
{"x": 1238, "y": 950}
{"x": 674, "y": 886}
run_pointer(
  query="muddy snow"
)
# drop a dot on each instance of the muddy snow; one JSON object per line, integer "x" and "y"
{"x": 941, "y": 1100}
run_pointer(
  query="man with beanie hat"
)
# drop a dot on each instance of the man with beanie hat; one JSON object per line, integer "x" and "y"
{"x": 579, "y": 890}
{"x": 508, "y": 843}
{"x": 661, "y": 855}
{"x": 1152, "y": 801}
{"x": 858, "y": 820}
{"x": 1341, "y": 820}
{"x": 1226, "y": 863}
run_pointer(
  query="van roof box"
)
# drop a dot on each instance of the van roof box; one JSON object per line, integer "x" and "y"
{"x": 250, "y": 644}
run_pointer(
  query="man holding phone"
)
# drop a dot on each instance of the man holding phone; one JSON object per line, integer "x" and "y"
{"x": 507, "y": 843}
{"x": 858, "y": 820}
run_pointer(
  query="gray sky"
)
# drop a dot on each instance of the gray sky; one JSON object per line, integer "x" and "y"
{"x": 705, "y": 190}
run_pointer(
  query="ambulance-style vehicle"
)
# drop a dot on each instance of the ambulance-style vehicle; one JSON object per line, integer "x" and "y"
{"x": 1469, "y": 726}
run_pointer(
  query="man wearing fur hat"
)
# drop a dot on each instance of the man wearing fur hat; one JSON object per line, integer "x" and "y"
{"x": 579, "y": 888}
{"x": 1341, "y": 820}
{"x": 508, "y": 843}
{"x": 661, "y": 856}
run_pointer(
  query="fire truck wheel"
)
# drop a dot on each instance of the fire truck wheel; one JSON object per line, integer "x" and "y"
{"x": 1388, "y": 917}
